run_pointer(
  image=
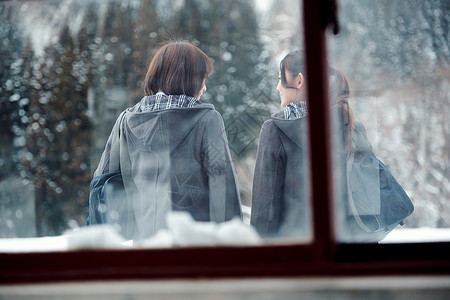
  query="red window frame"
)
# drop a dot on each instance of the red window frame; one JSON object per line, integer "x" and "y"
{"x": 323, "y": 257}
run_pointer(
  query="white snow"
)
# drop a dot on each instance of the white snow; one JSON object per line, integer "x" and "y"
{"x": 94, "y": 237}
{"x": 182, "y": 231}
{"x": 418, "y": 235}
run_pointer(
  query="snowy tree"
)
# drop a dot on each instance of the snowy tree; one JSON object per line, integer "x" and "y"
{"x": 58, "y": 139}
{"x": 397, "y": 54}
{"x": 16, "y": 57}
{"x": 146, "y": 34}
{"x": 232, "y": 41}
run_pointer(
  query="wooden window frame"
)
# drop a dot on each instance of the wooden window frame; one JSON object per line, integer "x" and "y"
{"x": 323, "y": 257}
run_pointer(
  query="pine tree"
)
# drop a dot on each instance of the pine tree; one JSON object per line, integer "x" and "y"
{"x": 58, "y": 139}
{"x": 117, "y": 40}
{"x": 146, "y": 34}
{"x": 13, "y": 85}
{"x": 232, "y": 41}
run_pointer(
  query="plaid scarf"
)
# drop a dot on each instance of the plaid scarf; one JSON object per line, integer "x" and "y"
{"x": 161, "y": 101}
{"x": 295, "y": 110}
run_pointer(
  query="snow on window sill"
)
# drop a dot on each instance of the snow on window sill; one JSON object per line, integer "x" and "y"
{"x": 417, "y": 235}
{"x": 182, "y": 231}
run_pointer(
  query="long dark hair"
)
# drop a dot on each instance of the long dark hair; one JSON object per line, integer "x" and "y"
{"x": 178, "y": 67}
{"x": 339, "y": 96}
{"x": 293, "y": 63}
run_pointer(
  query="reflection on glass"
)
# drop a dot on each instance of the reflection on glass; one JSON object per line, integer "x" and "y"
{"x": 68, "y": 69}
{"x": 397, "y": 67}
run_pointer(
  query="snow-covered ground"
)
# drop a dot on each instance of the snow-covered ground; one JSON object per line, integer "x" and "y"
{"x": 183, "y": 231}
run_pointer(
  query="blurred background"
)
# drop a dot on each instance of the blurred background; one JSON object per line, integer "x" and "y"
{"x": 68, "y": 68}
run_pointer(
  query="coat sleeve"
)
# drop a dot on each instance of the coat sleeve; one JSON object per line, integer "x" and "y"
{"x": 268, "y": 180}
{"x": 224, "y": 200}
{"x": 109, "y": 161}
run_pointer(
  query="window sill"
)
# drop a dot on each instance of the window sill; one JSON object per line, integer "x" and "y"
{"x": 222, "y": 262}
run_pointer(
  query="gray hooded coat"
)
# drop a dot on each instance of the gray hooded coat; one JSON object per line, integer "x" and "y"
{"x": 173, "y": 159}
{"x": 279, "y": 199}
{"x": 280, "y": 192}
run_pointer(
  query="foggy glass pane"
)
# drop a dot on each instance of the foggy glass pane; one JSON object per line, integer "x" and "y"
{"x": 395, "y": 55}
{"x": 69, "y": 68}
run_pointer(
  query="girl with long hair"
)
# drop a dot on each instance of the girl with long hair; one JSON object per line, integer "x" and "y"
{"x": 280, "y": 183}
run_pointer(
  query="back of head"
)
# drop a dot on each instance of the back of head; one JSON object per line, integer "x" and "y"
{"x": 178, "y": 68}
{"x": 293, "y": 63}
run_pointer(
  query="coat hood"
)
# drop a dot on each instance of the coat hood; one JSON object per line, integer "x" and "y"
{"x": 164, "y": 129}
{"x": 294, "y": 129}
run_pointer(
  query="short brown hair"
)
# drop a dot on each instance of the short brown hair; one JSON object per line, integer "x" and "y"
{"x": 177, "y": 68}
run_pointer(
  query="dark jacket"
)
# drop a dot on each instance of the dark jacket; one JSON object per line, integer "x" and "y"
{"x": 280, "y": 187}
{"x": 175, "y": 160}
{"x": 280, "y": 199}
{"x": 280, "y": 206}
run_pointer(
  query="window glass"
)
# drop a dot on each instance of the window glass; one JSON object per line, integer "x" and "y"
{"x": 395, "y": 56}
{"x": 69, "y": 68}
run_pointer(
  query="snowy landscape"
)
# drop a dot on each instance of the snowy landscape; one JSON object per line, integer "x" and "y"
{"x": 396, "y": 57}
{"x": 183, "y": 231}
